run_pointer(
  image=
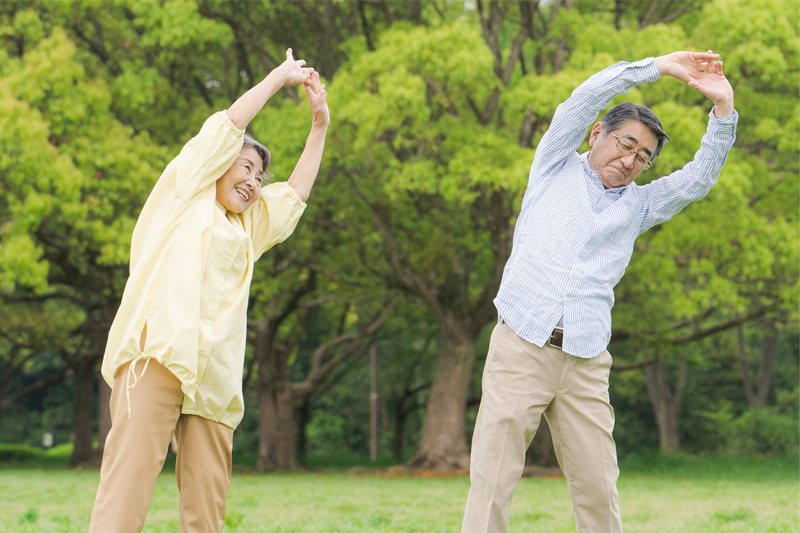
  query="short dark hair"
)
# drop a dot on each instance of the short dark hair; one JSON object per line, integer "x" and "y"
{"x": 263, "y": 153}
{"x": 628, "y": 111}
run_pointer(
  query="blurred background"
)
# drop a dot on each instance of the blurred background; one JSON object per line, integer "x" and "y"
{"x": 374, "y": 317}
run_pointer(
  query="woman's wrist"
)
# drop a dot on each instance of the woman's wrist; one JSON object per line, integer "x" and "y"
{"x": 277, "y": 78}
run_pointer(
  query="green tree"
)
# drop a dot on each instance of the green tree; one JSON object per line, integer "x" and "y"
{"x": 73, "y": 179}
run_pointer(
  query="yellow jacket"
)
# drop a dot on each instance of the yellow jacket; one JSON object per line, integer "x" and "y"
{"x": 191, "y": 266}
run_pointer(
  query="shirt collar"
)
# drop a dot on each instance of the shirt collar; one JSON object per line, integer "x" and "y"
{"x": 593, "y": 176}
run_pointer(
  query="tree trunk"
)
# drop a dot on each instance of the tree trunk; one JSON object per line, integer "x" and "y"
{"x": 285, "y": 450}
{"x": 276, "y": 443}
{"x": 541, "y": 452}
{"x": 666, "y": 403}
{"x": 103, "y": 419}
{"x": 268, "y": 420}
{"x": 443, "y": 445}
{"x": 399, "y": 429}
{"x": 757, "y": 396}
{"x": 303, "y": 418}
{"x": 765, "y": 368}
{"x": 84, "y": 376}
{"x": 268, "y": 417}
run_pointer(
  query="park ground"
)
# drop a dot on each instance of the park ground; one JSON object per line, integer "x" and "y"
{"x": 658, "y": 495}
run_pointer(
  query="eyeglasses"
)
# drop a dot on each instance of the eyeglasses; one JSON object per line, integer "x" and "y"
{"x": 627, "y": 149}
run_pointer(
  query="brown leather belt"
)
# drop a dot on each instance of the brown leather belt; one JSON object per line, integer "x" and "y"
{"x": 556, "y": 339}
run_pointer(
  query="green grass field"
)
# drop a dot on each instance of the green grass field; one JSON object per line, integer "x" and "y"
{"x": 664, "y": 495}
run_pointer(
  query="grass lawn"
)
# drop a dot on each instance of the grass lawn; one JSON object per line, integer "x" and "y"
{"x": 664, "y": 495}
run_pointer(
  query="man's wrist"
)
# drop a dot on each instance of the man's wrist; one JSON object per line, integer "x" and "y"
{"x": 662, "y": 63}
{"x": 723, "y": 109}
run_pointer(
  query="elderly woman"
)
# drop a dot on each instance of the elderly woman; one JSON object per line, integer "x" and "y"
{"x": 176, "y": 349}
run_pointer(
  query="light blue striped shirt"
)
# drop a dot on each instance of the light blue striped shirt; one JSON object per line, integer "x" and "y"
{"x": 574, "y": 239}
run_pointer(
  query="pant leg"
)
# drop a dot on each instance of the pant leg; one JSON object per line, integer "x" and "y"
{"x": 203, "y": 471}
{"x": 582, "y": 421}
{"x": 135, "y": 448}
{"x": 519, "y": 381}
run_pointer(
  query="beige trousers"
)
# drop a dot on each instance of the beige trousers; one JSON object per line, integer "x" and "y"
{"x": 136, "y": 448}
{"x": 521, "y": 382}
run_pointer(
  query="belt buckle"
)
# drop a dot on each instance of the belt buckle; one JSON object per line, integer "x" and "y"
{"x": 556, "y": 339}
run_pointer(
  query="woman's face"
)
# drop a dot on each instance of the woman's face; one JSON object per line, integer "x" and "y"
{"x": 240, "y": 186}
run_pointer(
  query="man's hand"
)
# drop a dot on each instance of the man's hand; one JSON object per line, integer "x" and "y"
{"x": 317, "y": 101}
{"x": 292, "y": 72}
{"x": 703, "y": 72}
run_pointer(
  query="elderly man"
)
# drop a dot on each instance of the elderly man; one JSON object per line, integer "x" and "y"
{"x": 580, "y": 217}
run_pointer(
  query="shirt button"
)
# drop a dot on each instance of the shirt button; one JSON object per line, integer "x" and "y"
{"x": 585, "y": 251}
{"x": 576, "y": 272}
{"x": 567, "y": 299}
{"x": 599, "y": 226}
{"x": 208, "y": 321}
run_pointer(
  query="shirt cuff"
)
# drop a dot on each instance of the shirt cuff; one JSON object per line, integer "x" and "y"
{"x": 283, "y": 187}
{"x": 724, "y": 124}
{"x": 223, "y": 115}
{"x": 646, "y": 70}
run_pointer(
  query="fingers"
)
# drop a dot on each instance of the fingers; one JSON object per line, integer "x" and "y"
{"x": 317, "y": 83}
{"x": 312, "y": 86}
{"x": 315, "y": 90}
{"x": 309, "y": 83}
{"x": 289, "y": 54}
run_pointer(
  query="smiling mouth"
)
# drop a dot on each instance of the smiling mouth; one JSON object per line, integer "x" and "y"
{"x": 244, "y": 195}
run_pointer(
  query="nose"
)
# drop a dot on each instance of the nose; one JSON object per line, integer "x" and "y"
{"x": 628, "y": 160}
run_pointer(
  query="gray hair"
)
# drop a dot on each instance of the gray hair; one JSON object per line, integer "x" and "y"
{"x": 628, "y": 111}
{"x": 263, "y": 153}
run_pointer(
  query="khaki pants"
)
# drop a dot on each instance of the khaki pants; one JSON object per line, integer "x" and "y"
{"x": 136, "y": 448}
{"x": 520, "y": 382}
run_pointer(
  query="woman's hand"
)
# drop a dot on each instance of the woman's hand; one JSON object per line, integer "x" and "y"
{"x": 293, "y": 72}
{"x": 317, "y": 101}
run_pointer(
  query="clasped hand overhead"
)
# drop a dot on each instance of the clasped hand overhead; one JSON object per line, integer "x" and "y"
{"x": 701, "y": 71}
{"x": 294, "y": 72}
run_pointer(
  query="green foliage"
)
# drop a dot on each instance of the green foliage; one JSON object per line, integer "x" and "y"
{"x": 95, "y": 99}
{"x": 764, "y": 431}
{"x": 18, "y": 452}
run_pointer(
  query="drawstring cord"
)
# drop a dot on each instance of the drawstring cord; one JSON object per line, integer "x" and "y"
{"x": 132, "y": 371}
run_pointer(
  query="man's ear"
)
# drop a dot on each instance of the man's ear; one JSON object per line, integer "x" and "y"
{"x": 596, "y": 131}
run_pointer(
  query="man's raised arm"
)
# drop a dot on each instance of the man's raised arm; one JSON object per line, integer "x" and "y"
{"x": 575, "y": 115}
{"x": 665, "y": 197}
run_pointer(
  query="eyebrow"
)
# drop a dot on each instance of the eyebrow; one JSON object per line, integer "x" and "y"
{"x": 634, "y": 139}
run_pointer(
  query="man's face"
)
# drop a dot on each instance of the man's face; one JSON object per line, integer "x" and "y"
{"x": 240, "y": 186}
{"x": 614, "y": 168}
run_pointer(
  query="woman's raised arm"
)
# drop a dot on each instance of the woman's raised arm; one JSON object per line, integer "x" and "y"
{"x": 290, "y": 72}
{"x": 304, "y": 174}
